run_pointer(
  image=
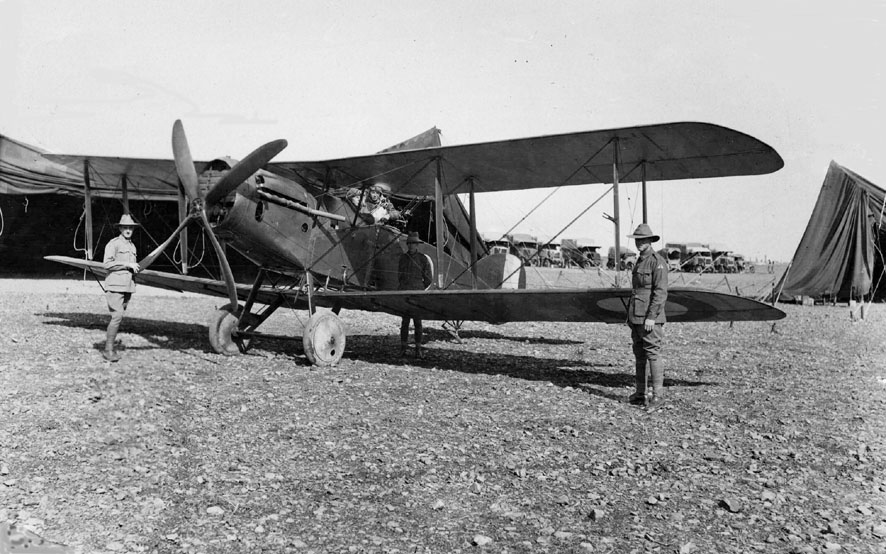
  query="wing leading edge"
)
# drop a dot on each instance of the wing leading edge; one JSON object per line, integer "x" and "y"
{"x": 607, "y": 305}
{"x": 669, "y": 151}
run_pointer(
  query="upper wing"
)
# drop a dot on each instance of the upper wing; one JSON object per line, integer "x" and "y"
{"x": 608, "y": 305}
{"x": 187, "y": 283}
{"x": 147, "y": 179}
{"x": 668, "y": 151}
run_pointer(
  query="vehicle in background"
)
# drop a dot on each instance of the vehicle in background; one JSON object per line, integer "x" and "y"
{"x": 694, "y": 256}
{"x": 550, "y": 255}
{"x": 724, "y": 262}
{"x": 627, "y": 260}
{"x": 742, "y": 265}
{"x": 581, "y": 253}
{"x": 527, "y": 247}
{"x": 672, "y": 255}
{"x": 499, "y": 244}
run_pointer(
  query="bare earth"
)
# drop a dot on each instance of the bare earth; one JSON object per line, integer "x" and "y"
{"x": 518, "y": 439}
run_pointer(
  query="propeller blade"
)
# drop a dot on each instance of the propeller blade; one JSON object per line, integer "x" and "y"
{"x": 222, "y": 262}
{"x": 257, "y": 159}
{"x": 184, "y": 164}
{"x": 149, "y": 259}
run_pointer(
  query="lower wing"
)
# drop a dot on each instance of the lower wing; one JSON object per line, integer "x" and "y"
{"x": 604, "y": 305}
{"x": 187, "y": 283}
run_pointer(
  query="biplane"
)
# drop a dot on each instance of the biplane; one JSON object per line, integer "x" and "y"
{"x": 303, "y": 225}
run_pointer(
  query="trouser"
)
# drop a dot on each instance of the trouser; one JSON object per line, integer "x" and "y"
{"x": 404, "y": 331}
{"x": 117, "y": 303}
{"x": 647, "y": 348}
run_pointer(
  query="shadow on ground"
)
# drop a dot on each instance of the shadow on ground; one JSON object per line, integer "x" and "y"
{"x": 597, "y": 379}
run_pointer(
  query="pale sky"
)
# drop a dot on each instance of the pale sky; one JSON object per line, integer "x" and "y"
{"x": 342, "y": 78}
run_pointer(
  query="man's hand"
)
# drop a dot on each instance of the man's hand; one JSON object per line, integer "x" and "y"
{"x": 649, "y": 325}
{"x": 134, "y": 267}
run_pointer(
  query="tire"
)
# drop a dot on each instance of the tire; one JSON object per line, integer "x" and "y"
{"x": 222, "y": 326}
{"x": 324, "y": 339}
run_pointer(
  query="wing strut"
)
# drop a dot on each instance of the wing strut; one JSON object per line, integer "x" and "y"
{"x": 615, "y": 217}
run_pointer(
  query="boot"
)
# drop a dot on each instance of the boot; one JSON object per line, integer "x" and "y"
{"x": 402, "y": 349}
{"x": 658, "y": 397}
{"x": 639, "y": 396}
{"x": 418, "y": 352}
{"x": 109, "y": 353}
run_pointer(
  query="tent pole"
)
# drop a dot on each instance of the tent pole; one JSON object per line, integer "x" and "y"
{"x": 124, "y": 185}
{"x": 87, "y": 206}
{"x": 474, "y": 234}
{"x": 438, "y": 220}
{"x": 643, "y": 175}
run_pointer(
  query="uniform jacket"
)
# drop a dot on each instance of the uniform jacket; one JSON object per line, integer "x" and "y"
{"x": 415, "y": 271}
{"x": 649, "y": 281}
{"x": 119, "y": 252}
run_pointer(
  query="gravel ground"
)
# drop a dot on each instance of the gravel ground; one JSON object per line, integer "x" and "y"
{"x": 517, "y": 439}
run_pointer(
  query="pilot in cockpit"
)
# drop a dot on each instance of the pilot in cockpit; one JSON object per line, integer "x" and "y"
{"x": 377, "y": 205}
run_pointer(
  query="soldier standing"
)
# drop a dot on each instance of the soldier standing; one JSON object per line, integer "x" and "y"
{"x": 646, "y": 316}
{"x": 121, "y": 263}
{"x": 415, "y": 274}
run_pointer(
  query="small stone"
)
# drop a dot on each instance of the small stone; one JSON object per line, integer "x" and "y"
{"x": 834, "y": 528}
{"x": 768, "y": 496}
{"x": 652, "y": 500}
{"x": 563, "y": 500}
{"x": 596, "y": 514}
{"x": 215, "y": 510}
{"x": 298, "y": 543}
{"x": 4, "y": 469}
{"x": 481, "y": 540}
{"x": 832, "y": 547}
{"x": 438, "y": 505}
{"x": 879, "y": 531}
{"x": 563, "y": 535}
{"x": 688, "y": 548}
{"x": 586, "y": 546}
{"x": 731, "y": 504}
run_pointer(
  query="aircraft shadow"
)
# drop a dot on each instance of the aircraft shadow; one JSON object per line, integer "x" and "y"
{"x": 434, "y": 334}
{"x": 577, "y": 374}
{"x": 160, "y": 334}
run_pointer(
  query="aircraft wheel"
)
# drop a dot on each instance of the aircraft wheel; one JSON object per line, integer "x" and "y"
{"x": 324, "y": 339}
{"x": 222, "y": 326}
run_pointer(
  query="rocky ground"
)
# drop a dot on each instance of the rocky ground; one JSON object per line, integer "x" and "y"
{"x": 517, "y": 439}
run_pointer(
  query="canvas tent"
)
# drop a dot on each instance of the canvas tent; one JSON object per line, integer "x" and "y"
{"x": 840, "y": 255}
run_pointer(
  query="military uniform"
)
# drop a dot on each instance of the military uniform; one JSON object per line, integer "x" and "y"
{"x": 649, "y": 283}
{"x": 119, "y": 286}
{"x": 415, "y": 273}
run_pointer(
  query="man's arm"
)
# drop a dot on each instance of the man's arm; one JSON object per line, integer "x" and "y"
{"x": 659, "y": 294}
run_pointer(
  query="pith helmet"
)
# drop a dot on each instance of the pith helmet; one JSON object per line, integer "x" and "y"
{"x": 413, "y": 238}
{"x": 127, "y": 221}
{"x": 644, "y": 231}
{"x": 383, "y": 187}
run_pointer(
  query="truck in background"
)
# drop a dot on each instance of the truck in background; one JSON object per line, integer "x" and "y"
{"x": 581, "y": 252}
{"x": 672, "y": 255}
{"x": 627, "y": 260}
{"x": 550, "y": 254}
{"x": 527, "y": 247}
{"x": 694, "y": 256}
